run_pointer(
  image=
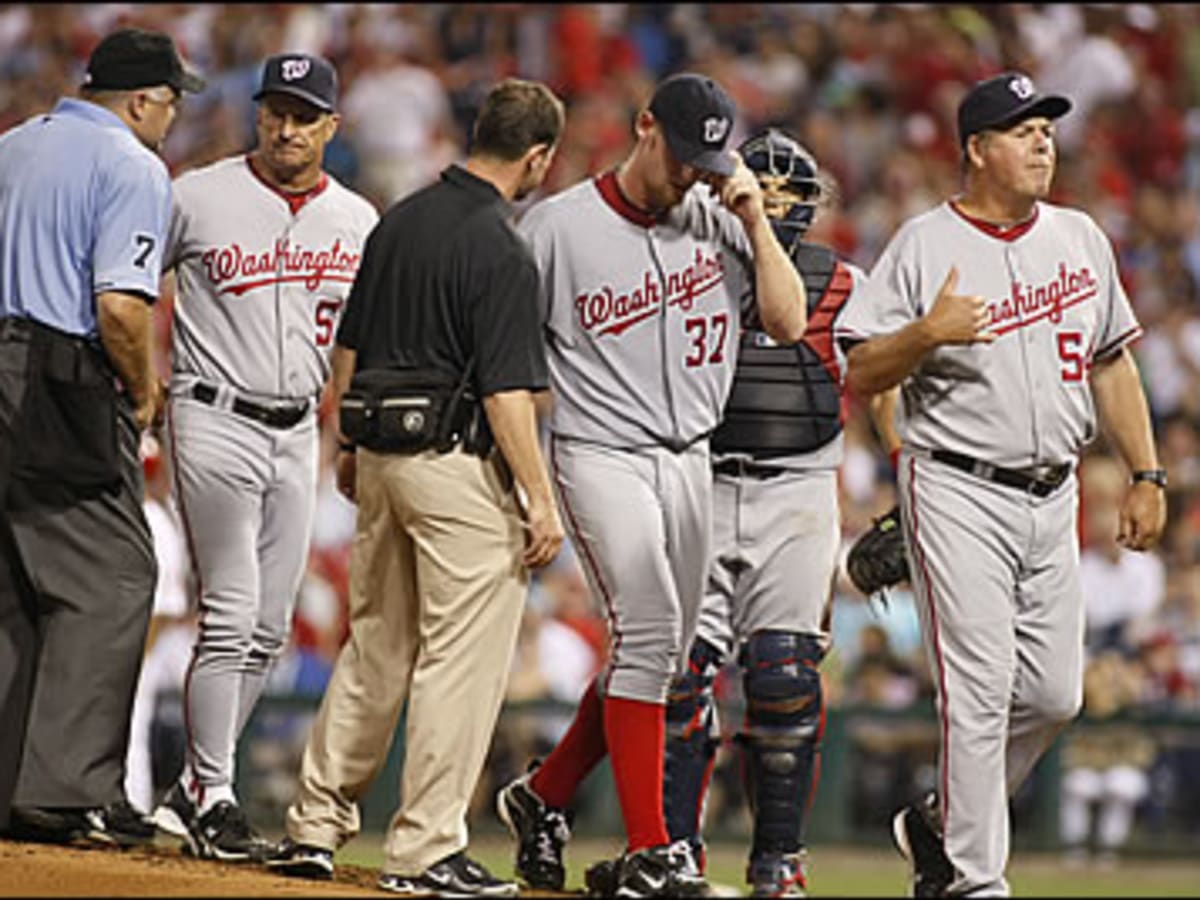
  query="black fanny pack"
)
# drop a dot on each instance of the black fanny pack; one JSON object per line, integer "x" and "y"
{"x": 408, "y": 411}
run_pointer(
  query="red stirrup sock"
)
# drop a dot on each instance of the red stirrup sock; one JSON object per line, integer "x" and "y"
{"x": 636, "y": 731}
{"x": 575, "y": 755}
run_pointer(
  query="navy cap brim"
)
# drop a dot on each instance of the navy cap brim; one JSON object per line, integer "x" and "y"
{"x": 718, "y": 162}
{"x": 1051, "y": 106}
{"x": 295, "y": 92}
{"x": 189, "y": 82}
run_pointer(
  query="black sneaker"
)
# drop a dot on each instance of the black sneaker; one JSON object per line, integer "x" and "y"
{"x": 777, "y": 875}
{"x": 117, "y": 824}
{"x": 301, "y": 860}
{"x": 541, "y": 831}
{"x": 175, "y": 812}
{"x": 668, "y": 870}
{"x": 224, "y": 833}
{"x": 919, "y": 842}
{"x": 455, "y": 876}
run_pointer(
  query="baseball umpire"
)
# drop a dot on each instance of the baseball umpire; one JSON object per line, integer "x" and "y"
{"x": 85, "y": 205}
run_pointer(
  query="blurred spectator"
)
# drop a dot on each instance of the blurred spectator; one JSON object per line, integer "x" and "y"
{"x": 1104, "y": 770}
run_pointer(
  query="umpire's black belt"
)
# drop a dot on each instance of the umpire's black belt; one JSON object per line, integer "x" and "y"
{"x": 744, "y": 468}
{"x": 283, "y": 415}
{"x": 1041, "y": 481}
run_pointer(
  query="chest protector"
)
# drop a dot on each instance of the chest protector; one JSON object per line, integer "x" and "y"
{"x": 787, "y": 399}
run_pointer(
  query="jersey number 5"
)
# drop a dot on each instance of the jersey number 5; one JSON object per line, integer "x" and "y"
{"x": 1069, "y": 346}
{"x": 327, "y": 311}
{"x": 698, "y": 329}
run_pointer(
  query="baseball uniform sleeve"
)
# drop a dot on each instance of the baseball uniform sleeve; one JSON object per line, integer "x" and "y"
{"x": 135, "y": 203}
{"x": 1117, "y": 324}
{"x": 886, "y": 300}
{"x": 535, "y": 227}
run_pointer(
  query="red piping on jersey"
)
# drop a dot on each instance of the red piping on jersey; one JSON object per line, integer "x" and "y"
{"x": 944, "y": 706}
{"x": 1000, "y": 233}
{"x": 581, "y": 544}
{"x": 196, "y": 787}
{"x": 294, "y": 199}
{"x": 611, "y": 191}
{"x": 1113, "y": 346}
{"x": 818, "y": 333}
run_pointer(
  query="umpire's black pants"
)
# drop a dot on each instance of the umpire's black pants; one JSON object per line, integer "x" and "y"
{"x": 77, "y": 576}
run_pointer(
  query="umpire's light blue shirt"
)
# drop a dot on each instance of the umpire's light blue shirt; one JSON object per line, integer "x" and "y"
{"x": 84, "y": 208}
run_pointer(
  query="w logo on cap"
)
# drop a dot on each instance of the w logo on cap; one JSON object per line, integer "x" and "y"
{"x": 1022, "y": 87}
{"x": 715, "y": 129}
{"x": 294, "y": 69}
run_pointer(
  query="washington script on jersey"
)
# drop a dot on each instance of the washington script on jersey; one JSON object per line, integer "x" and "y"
{"x": 1030, "y": 303}
{"x": 284, "y": 262}
{"x": 607, "y": 312}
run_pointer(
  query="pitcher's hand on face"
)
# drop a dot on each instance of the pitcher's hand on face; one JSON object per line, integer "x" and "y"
{"x": 958, "y": 318}
{"x": 543, "y": 533}
{"x": 740, "y": 192}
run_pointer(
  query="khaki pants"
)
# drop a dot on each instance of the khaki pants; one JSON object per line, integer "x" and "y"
{"x": 436, "y": 594}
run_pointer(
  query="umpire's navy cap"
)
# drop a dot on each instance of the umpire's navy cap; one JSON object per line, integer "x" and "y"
{"x": 1004, "y": 100}
{"x": 302, "y": 75}
{"x": 696, "y": 116}
{"x": 132, "y": 58}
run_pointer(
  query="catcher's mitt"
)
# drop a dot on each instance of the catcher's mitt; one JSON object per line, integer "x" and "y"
{"x": 877, "y": 559}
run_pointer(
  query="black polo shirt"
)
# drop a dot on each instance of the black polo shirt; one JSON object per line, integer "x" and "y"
{"x": 444, "y": 276}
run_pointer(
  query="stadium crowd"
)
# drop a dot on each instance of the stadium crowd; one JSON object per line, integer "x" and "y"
{"x": 871, "y": 89}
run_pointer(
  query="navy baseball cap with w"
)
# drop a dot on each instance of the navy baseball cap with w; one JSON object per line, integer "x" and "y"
{"x": 132, "y": 58}
{"x": 696, "y": 116}
{"x": 1003, "y": 101}
{"x": 302, "y": 75}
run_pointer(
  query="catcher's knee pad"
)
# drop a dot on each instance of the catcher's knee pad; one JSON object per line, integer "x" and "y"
{"x": 692, "y": 741}
{"x": 781, "y": 735}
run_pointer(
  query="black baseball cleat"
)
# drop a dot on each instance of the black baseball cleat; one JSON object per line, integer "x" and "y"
{"x": 600, "y": 879}
{"x": 224, "y": 833}
{"x": 455, "y": 876}
{"x": 920, "y": 843}
{"x": 777, "y": 875}
{"x": 117, "y": 824}
{"x": 541, "y": 831}
{"x": 668, "y": 870}
{"x": 174, "y": 814}
{"x": 301, "y": 860}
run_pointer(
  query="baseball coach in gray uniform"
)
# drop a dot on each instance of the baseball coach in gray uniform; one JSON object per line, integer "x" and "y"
{"x": 1004, "y": 321}
{"x": 84, "y": 207}
{"x": 264, "y": 247}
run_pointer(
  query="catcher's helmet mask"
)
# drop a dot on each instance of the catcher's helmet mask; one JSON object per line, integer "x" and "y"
{"x": 779, "y": 160}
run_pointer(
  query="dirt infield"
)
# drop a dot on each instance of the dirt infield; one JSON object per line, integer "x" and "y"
{"x": 40, "y": 870}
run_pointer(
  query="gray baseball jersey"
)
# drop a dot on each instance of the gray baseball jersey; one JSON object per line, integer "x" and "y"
{"x": 262, "y": 277}
{"x": 996, "y": 566}
{"x": 641, "y": 321}
{"x": 775, "y": 538}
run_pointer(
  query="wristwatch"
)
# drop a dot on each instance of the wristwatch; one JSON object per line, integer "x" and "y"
{"x": 1154, "y": 476}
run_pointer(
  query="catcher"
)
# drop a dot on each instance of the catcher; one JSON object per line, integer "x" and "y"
{"x": 776, "y": 538}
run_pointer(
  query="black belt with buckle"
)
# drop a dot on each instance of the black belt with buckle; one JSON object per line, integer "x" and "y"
{"x": 741, "y": 468}
{"x": 1041, "y": 481}
{"x": 282, "y": 416}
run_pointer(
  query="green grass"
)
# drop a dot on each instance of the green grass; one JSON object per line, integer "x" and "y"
{"x": 861, "y": 872}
